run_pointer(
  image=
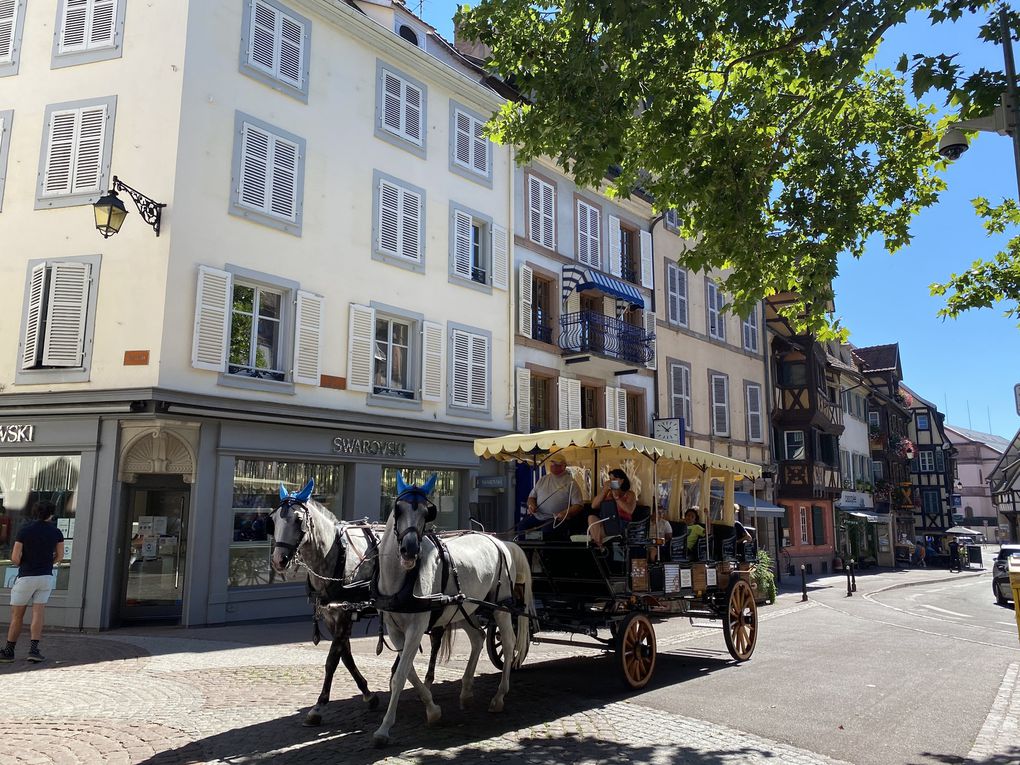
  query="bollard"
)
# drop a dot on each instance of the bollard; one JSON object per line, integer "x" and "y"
{"x": 803, "y": 583}
{"x": 849, "y": 592}
{"x": 853, "y": 575}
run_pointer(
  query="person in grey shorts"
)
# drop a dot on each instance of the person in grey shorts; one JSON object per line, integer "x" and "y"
{"x": 38, "y": 547}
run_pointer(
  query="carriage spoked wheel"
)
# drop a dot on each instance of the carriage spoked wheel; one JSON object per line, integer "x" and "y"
{"x": 494, "y": 645}
{"x": 635, "y": 646}
{"x": 740, "y": 621}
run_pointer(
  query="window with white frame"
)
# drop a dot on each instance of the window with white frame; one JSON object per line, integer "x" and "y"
{"x": 541, "y": 212}
{"x": 471, "y": 150}
{"x": 268, "y": 175}
{"x": 589, "y": 234}
{"x": 795, "y": 445}
{"x": 803, "y": 526}
{"x": 716, "y": 318}
{"x": 755, "y": 429}
{"x": 58, "y": 317}
{"x": 87, "y": 31}
{"x": 845, "y": 466}
{"x": 75, "y": 157}
{"x": 401, "y": 108}
{"x": 392, "y": 362}
{"x": 676, "y": 293}
{"x": 926, "y": 461}
{"x": 750, "y": 329}
{"x": 469, "y": 369}
{"x": 680, "y": 392}
{"x": 720, "y": 388}
{"x": 399, "y": 221}
{"x": 877, "y": 470}
{"x": 874, "y": 420}
{"x": 257, "y": 330}
{"x": 12, "y": 22}
{"x": 922, "y": 422}
{"x": 479, "y": 250}
{"x": 671, "y": 220}
{"x": 276, "y": 47}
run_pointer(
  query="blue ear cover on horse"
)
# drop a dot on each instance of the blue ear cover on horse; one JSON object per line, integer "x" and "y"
{"x": 283, "y": 492}
{"x": 305, "y": 494}
{"x": 401, "y": 486}
{"x": 430, "y": 484}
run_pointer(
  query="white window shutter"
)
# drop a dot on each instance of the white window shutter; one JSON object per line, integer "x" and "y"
{"x": 649, "y": 317}
{"x": 574, "y": 391}
{"x": 88, "y": 159}
{"x": 615, "y": 253}
{"x": 563, "y": 396}
{"x": 33, "y": 320}
{"x": 74, "y": 26}
{"x": 253, "y": 178}
{"x": 292, "y": 38}
{"x": 479, "y": 372}
{"x": 393, "y": 99}
{"x": 68, "y": 303}
{"x": 480, "y": 147}
{"x": 595, "y": 237}
{"x": 308, "y": 323}
{"x": 582, "y": 232}
{"x": 213, "y": 301}
{"x": 282, "y": 184}
{"x": 681, "y": 291}
{"x": 548, "y": 216}
{"x": 621, "y": 409}
{"x": 500, "y": 258}
{"x": 523, "y": 400}
{"x": 262, "y": 39}
{"x": 410, "y": 225}
{"x": 63, "y": 129}
{"x": 460, "y": 385}
{"x": 647, "y": 275}
{"x": 389, "y": 218}
{"x": 720, "y": 406}
{"x": 611, "y": 408}
{"x": 462, "y": 139}
{"x": 535, "y": 208}
{"x": 754, "y": 432}
{"x": 462, "y": 244}
{"x": 412, "y": 113}
{"x": 102, "y": 24}
{"x": 432, "y": 361}
{"x": 361, "y": 348}
{"x": 8, "y": 24}
{"x": 525, "y": 285}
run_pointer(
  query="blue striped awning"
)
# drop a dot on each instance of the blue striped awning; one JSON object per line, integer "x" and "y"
{"x": 611, "y": 286}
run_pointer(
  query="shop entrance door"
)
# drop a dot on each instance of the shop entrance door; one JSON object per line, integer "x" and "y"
{"x": 155, "y": 545}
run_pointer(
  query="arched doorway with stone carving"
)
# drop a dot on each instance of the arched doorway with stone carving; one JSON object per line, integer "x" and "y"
{"x": 156, "y": 468}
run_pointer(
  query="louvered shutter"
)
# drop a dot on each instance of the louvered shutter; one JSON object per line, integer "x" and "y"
{"x": 681, "y": 291}
{"x": 479, "y": 372}
{"x": 262, "y": 38}
{"x": 649, "y": 317}
{"x": 817, "y": 525}
{"x": 361, "y": 348}
{"x": 393, "y": 99}
{"x": 292, "y": 37}
{"x": 754, "y": 431}
{"x": 88, "y": 159}
{"x": 535, "y": 209}
{"x": 33, "y": 320}
{"x": 74, "y": 26}
{"x": 102, "y": 24}
{"x": 583, "y": 239}
{"x": 647, "y": 274}
{"x": 940, "y": 460}
{"x": 308, "y": 322}
{"x": 8, "y": 23}
{"x": 525, "y": 309}
{"x": 410, "y": 225}
{"x": 460, "y": 385}
{"x": 60, "y": 152}
{"x": 462, "y": 244}
{"x": 67, "y": 306}
{"x": 254, "y": 173}
{"x": 680, "y": 385}
{"x": 547, "y": 207}
{"x": 563, "y": 395}
{"x": 672, "y": 294}
{"x": 523, "y": 400}
{"x": 283, "y": 184}
{"x": 621, "y": 409}
{"x": 389, "y": 218}
{"x": 720, "y": 406}
{"x": 500, "y": 258}
{"x": 462, "y": 139}
{"x": 412, "y": 113}
{"x": 213, "y": 301}
{"x": 615, "y": 253}
{"x": 432, "y": 361}
{"x": 611, "y": 408}
{"x": 595, "y": 237}
{"x": 480, "y": 147}
{"x": 574, "y": 400}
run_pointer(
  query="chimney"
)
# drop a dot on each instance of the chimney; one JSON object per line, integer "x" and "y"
{"x": 470, "y": 48}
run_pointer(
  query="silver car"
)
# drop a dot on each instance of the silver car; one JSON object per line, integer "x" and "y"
{"x": 1000, "y": 574}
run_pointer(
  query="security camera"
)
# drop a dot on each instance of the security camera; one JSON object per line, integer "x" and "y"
{"x": 953, "y": 144}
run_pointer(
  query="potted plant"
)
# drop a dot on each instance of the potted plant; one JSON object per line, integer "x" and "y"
{"x": 764, "y": 578}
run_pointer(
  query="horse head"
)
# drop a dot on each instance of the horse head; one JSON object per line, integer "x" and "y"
{"x": 411, "y": 511}
{"x": 290, "y": 524}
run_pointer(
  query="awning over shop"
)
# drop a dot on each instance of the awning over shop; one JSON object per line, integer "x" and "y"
{"x": 588, "y": 279}
{"x": 865, "y": 516}
{"x": 748, "y": 502}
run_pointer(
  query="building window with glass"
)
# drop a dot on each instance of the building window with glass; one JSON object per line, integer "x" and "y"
{"x": 445, "y": 495}
{"x": 795, "y": 445}
{"x": 392, "y": 356}
{"x": 24, "y": 481}
{"x": 255, "y": 336}
{"x": 256, "y": 495}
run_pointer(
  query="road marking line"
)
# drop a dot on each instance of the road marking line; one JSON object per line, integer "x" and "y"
{"x": 1000, "y": 733}
{"x": 944, "y": 611}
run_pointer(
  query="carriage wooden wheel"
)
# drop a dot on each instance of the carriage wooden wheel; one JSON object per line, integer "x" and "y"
{"x": 740, "y": 622}
{"x": 494, "y": 646}
{"x": 636, "y": 650}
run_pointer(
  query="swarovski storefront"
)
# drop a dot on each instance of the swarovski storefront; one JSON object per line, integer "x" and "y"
{"x": 165, "y": 513}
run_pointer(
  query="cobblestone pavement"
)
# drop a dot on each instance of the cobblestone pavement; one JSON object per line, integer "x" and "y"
{"x": 197, "y": 696}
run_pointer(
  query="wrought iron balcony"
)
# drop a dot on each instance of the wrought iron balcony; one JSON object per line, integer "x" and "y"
{"x": 593, "y": 332}
{"x": 541, "y": 331}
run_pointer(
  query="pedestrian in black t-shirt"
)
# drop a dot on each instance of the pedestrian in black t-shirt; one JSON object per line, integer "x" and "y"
{"x": 38, "y": 547}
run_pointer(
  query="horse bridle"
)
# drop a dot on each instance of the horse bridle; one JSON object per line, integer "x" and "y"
{"x": 430, "y": 516}
{"x": 291, "y": 549}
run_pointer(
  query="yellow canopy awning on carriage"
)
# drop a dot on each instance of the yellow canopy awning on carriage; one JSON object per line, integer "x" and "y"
{"x": 528, "y": 447}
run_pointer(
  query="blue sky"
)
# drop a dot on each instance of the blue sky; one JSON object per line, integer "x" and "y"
{"x": 967, "y": 366}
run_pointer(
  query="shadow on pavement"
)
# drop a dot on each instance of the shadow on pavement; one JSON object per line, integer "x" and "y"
{"x": 1010, "y": 757}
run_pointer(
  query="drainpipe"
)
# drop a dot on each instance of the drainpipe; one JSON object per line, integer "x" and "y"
{"x": 655, "y": 377}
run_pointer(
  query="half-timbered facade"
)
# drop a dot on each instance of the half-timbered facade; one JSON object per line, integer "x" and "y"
{"x": 931, "y": 469}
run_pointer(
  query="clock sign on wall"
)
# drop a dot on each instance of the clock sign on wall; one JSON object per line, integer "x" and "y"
{"x": 669, "y": 429}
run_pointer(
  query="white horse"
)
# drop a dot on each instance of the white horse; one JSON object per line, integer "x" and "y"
{"x": 337, "y": 555}
{"x": 411, "y": 574}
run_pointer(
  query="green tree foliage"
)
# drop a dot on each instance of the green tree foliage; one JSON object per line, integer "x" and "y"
{"x": 766, "y": 124}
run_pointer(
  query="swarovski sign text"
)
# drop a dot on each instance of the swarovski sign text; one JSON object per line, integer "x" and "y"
{"x": 373, "y": 447}
{"x": 17, "y": 434}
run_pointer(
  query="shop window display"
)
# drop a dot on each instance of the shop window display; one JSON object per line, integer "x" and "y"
{"x": 25, "y": 481}
{"x": 445, "y": 495}
{"x": 256, "y": 495}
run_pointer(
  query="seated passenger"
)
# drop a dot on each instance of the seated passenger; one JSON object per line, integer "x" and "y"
{"x": 615, "y": 503}
{"x": 695, "y": 531}
{"x": 555, "y": 498}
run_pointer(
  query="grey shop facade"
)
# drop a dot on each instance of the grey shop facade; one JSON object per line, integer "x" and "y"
{"x": 164, "y": 503}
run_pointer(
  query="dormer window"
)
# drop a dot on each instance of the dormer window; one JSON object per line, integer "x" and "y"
{"x": 413, "y": 34}
{"x": 408, "y": 34}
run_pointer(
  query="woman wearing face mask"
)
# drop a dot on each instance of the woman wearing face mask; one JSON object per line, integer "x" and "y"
{"x": 616, "y": 503}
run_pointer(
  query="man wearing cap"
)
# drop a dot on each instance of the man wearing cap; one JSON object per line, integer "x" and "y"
{"x": 555, "y": 497}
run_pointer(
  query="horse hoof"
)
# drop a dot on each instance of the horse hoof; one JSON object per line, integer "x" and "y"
{"x": 380, "y": 741}
{"x": 433, "y": 715}
{"x": 312, "y": 719}
{"x": 496, "y": 706}
{"x": 373, "y": 701}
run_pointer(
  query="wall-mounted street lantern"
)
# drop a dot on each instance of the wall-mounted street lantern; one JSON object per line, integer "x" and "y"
{"x": 110, "y": 211}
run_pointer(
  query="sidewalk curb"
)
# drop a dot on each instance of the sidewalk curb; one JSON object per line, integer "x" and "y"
{"x": 898, "y": 585}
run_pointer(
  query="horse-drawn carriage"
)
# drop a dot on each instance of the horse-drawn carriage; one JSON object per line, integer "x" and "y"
{"x": 613, "y": 593}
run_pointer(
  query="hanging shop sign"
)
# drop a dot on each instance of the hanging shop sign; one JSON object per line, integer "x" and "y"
{"x": 17, "y": 434}
{"x": 369, "y": 446}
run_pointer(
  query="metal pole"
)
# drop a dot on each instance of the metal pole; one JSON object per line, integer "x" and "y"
{"x": 853, "y": 575}
{"x": 849, "y": 592}
{"x": 1013, "y": 121}
{"x": 803, "y": 583}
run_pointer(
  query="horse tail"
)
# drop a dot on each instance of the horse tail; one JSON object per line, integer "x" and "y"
{"x": 446, "y": 647}
{"x": 522, "y": 576}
